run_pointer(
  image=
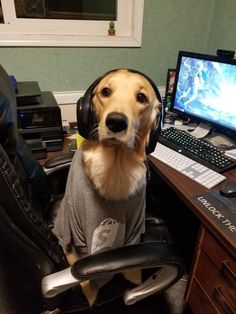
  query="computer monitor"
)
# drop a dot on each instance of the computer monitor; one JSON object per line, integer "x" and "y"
{"x": 205, "y": 89}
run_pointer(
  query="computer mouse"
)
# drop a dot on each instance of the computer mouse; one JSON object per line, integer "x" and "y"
{"x": 228, "y": 190}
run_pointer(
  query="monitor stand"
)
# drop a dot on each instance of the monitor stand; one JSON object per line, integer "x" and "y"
{"x": 201, "y": 130}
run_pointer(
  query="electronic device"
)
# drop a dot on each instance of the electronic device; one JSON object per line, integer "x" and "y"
{"x": 225, "y": 53}
{"x": 42, "y": 121}
{"x": 38, "y": 148}
{"x": 196, "y": 149}
{"x": 205, "y": 89}
{"x": 190, "y": 168}
{"x": 86, "y": 117}
{"x": 28, "y": 93}
{"x": 228, "y": 190}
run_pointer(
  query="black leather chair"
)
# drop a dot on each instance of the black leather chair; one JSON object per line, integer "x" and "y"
{"x": 34, "y": 273}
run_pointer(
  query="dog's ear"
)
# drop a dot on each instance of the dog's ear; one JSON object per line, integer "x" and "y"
{"x": 152, "y": 130}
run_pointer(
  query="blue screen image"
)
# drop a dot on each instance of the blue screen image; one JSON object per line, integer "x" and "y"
{"x": 207, "y": 89}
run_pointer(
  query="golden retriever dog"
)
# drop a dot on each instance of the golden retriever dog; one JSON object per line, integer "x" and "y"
{"x": 111, "y": 166}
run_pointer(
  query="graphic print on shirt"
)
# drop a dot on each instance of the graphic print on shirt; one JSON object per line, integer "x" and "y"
{"x": 104, "y": 235}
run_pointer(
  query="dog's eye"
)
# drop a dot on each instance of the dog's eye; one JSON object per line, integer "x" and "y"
{"x": 142, "y": 98}
{"x": 106, "y": 92}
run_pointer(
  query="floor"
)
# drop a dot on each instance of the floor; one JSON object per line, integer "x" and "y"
{"x": 170, "y": 302}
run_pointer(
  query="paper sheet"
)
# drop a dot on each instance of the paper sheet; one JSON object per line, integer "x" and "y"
{"x": 231, "y": 153}
{"x": 201, "y": 130}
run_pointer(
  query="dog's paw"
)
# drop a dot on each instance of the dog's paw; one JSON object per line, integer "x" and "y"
{"x": 89, "y": 292}
{"x": 134, "y": 276}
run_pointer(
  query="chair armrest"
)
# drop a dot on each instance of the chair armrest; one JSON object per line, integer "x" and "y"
{"x": 141, "y": 256}
{"x": 57, "y": 163}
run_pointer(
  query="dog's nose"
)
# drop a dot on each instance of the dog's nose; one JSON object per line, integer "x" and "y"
{"x": 116, "y": 122}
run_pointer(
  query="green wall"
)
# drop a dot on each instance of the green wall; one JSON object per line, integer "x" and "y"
{"x": 223, "y": 27}
{"x": 194, "y": 25}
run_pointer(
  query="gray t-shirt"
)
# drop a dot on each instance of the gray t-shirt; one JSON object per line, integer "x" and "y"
{"x": 92, "y": 223}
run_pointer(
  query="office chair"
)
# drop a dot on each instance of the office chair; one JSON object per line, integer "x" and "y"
{"x": 35, "y": 276}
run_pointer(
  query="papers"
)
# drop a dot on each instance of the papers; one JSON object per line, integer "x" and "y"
{"x": 201, "y": 130}
{"x": 231, "y": 153}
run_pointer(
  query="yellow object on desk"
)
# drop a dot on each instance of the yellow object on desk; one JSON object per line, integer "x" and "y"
{"x": 76, "y": 140}
{"x": 79, "y": 140}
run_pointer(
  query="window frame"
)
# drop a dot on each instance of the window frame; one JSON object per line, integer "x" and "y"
{"x": 45, "y": 32}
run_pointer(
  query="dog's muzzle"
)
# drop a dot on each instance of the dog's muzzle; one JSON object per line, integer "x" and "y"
{"x": 116, "y": 122}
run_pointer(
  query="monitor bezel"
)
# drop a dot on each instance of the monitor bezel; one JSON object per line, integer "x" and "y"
{"x": 196, "y": 118}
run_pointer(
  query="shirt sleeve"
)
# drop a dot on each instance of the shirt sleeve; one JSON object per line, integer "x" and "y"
{"x": 67, "y": 223}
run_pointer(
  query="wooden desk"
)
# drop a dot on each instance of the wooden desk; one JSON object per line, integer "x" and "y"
{"x": 212, "y": 283}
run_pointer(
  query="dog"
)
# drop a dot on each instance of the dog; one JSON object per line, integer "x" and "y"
{"x": 104, "y": 201}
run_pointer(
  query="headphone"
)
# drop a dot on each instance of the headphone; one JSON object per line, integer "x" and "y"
{"x": 86, "y": 117}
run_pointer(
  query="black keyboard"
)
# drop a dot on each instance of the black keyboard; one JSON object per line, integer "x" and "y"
{"x": 196, "y": 149}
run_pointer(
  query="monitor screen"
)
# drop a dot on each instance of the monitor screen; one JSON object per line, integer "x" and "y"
{"x": 205, "y": 89}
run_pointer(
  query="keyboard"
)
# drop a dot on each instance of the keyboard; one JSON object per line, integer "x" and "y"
{"x": 195, "y": 171}
{"x": 196, "y": 149}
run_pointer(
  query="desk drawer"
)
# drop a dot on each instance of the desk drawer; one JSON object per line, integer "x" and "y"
{"x": 199, "y": 301}
{"x": 216, "y": 251}
{"x": 215, "y": 272}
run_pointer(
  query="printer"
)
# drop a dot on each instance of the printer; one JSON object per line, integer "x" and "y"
{"x": 39, "y": 119}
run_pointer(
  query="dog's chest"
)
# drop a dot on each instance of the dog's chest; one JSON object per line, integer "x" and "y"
{"x": 101, "y": 223}
{"x": 115, "y": 173}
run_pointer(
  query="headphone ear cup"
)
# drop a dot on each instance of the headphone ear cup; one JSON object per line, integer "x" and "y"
{"x": 86, "y": 117}
{"x": 154, "y": 134}
{"x": 82, "y": 117}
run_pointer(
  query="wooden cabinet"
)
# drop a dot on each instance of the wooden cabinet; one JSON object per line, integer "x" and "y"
{"x": 212, "y": 286}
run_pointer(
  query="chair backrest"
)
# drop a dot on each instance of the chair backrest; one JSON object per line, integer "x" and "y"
{"x": 25, "y": 234}
{"x": 31, "y": 174}
{"x": 8, "y": 113}
{"x": 24, "y": 197}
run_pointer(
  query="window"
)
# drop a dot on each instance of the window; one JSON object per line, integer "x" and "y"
{"x": 61, "y": 9}
{"x": 71, "y": 22}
